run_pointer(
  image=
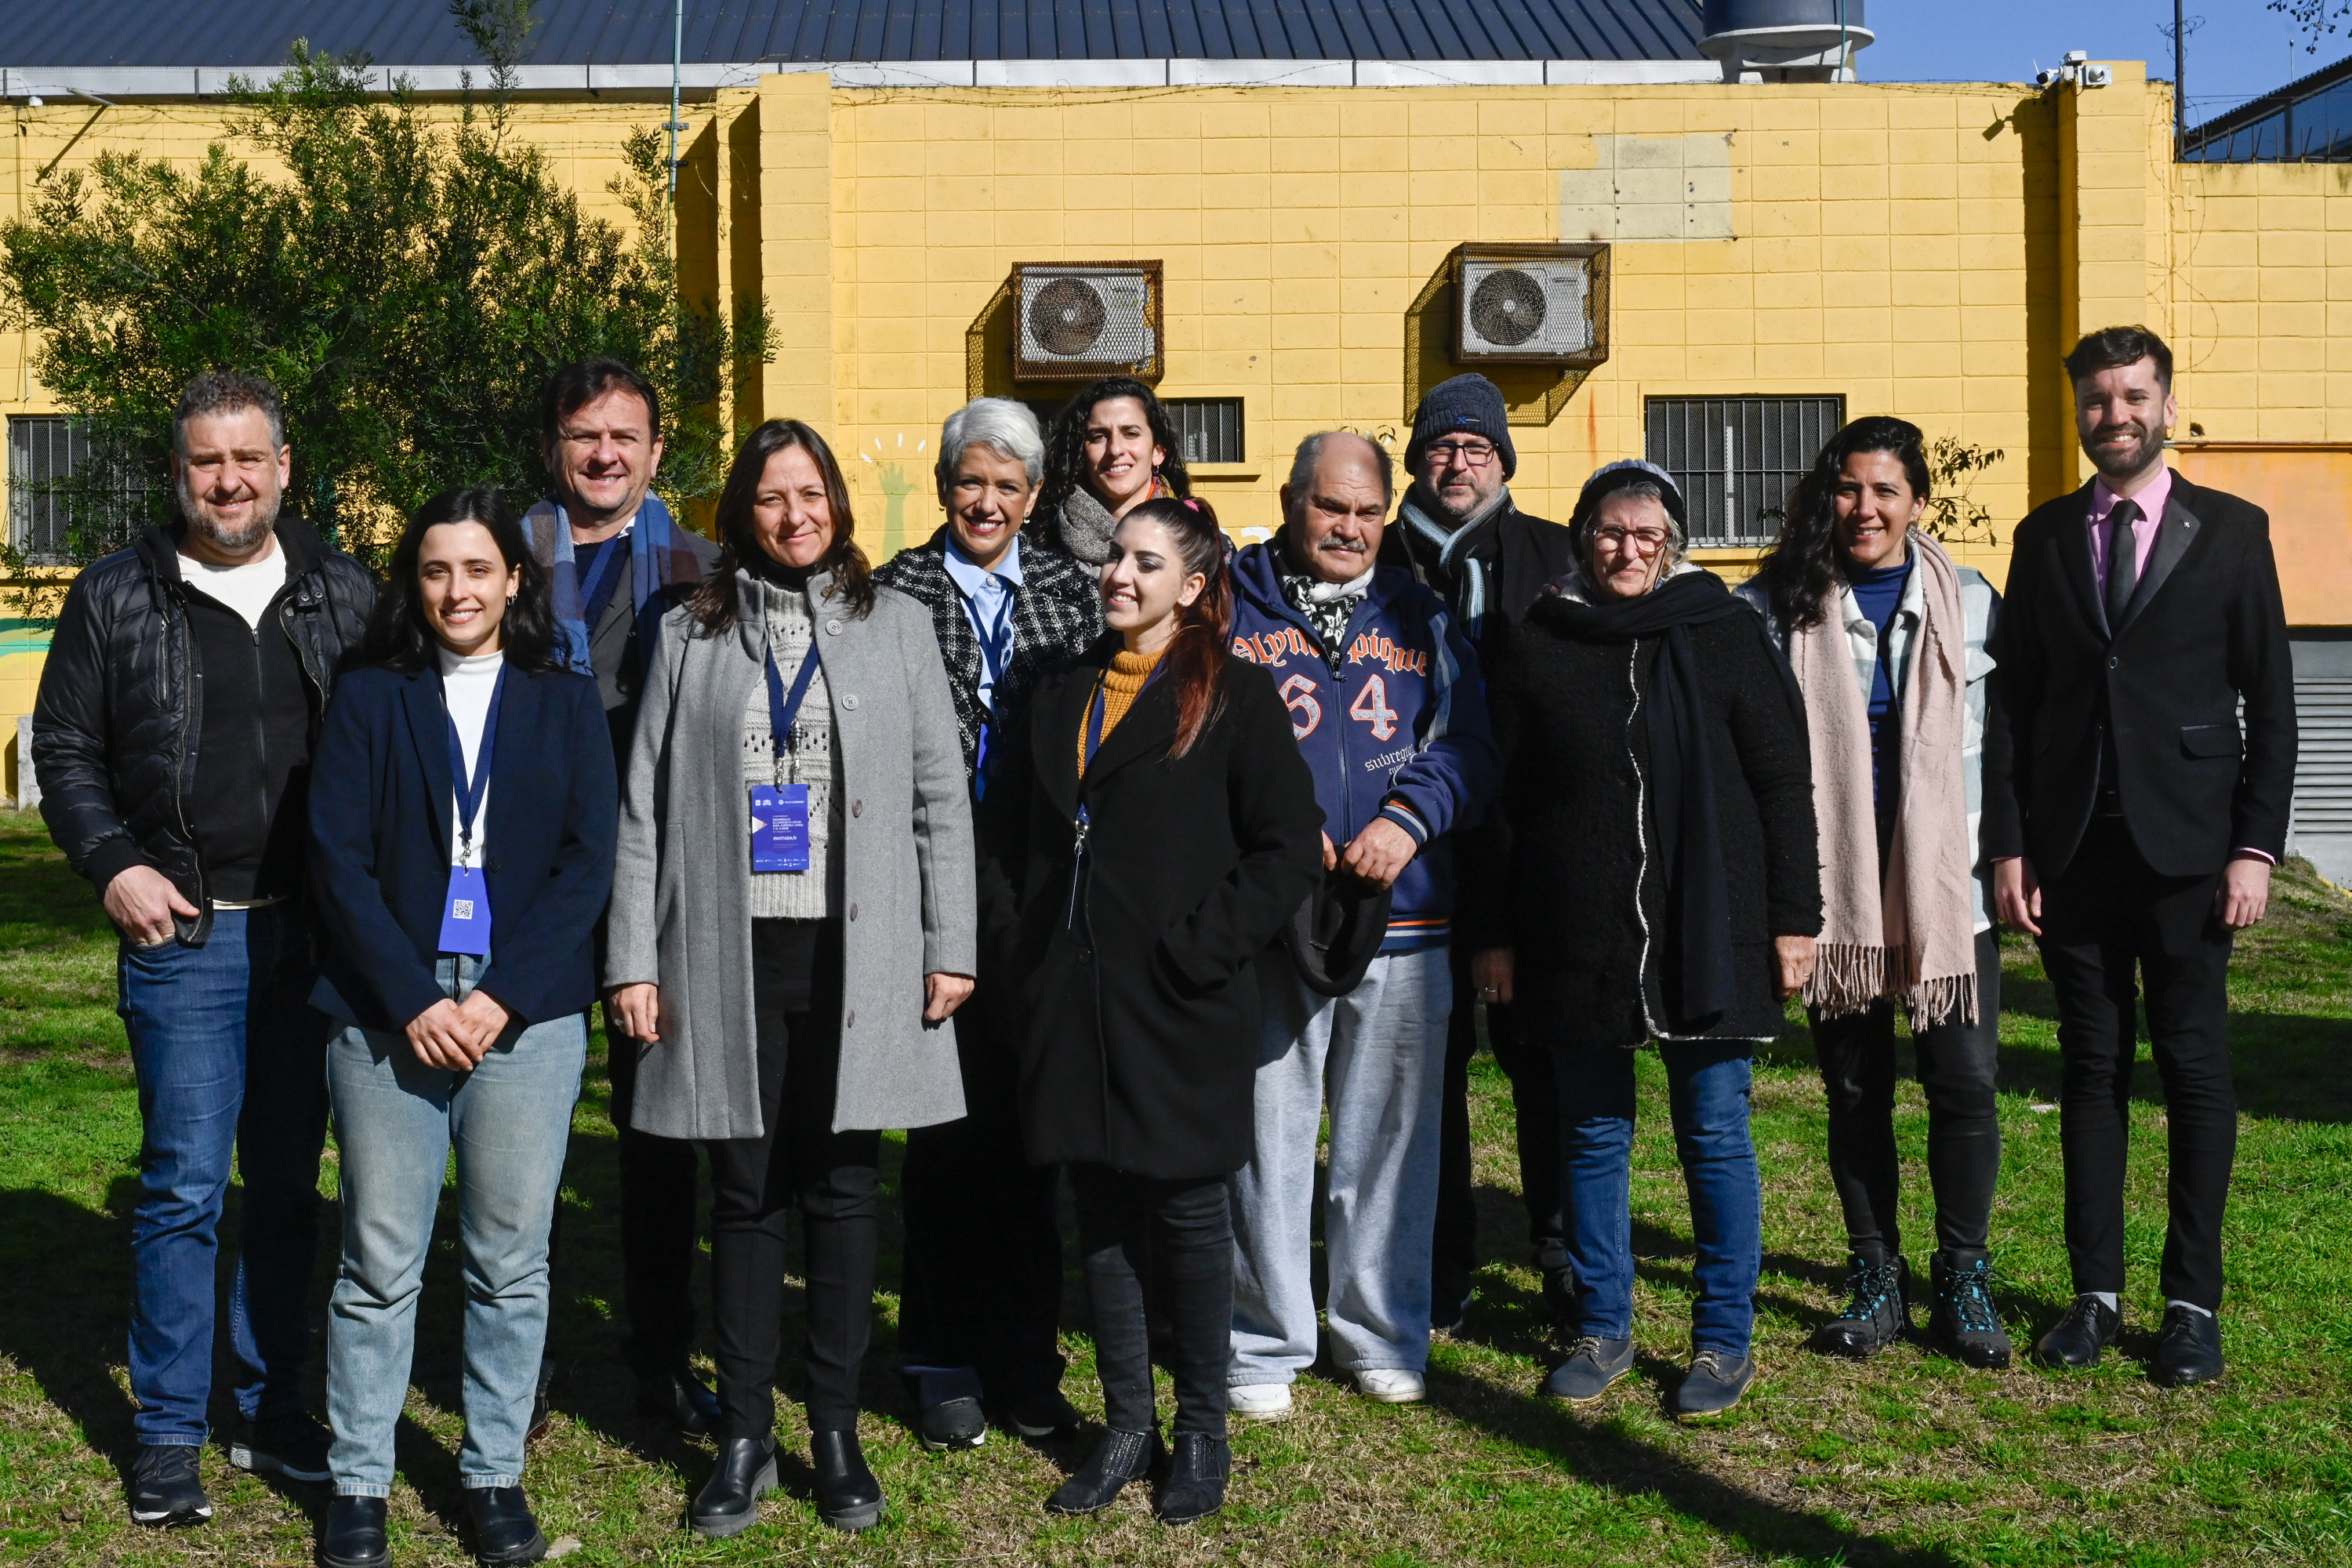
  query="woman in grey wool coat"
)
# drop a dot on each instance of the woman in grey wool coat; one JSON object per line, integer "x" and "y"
{"x": 792, "y": 925}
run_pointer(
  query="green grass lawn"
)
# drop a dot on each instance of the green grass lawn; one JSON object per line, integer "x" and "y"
{"x": 1908, "y": 1459}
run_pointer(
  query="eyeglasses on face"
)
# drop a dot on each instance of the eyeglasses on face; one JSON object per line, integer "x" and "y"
{"x": 1470, "y": 454}
{"x": 1647, "y": 541}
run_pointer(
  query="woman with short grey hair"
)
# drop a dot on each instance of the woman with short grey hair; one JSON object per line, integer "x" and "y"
{"x": 979, "y": 1313}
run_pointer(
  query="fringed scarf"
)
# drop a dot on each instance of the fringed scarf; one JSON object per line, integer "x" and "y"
{"x": 658, "y": 559}
{"x": 1909, "y": 932}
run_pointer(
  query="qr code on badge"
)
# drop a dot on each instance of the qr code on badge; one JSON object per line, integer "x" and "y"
{"x": 461, "y": 909}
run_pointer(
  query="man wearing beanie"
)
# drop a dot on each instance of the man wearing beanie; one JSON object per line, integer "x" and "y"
{"x": 1459, "y": 533}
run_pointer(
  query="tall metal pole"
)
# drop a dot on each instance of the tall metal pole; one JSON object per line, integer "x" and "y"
{"x": 1839, "y": 74}
{"x": 676, "y": 66}
{"x": 2180, "y": 83}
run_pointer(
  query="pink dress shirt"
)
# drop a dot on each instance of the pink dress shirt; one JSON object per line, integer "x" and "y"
{"x": 2150, "y": 501}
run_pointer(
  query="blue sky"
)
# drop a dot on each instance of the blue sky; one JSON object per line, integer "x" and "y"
{"x": 2241, "y": 52}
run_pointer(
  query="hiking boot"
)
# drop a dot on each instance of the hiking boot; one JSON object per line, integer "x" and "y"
{"x": 1877, "y": 1309}
{"x": 2076, "y": 1341}
{"x": 1194, "y": 1487}
{"x": 1962, "y": 1323}
{"x": 1592, "y": 1364}
{"x": 2187, "y": 1348}
{"x": 1716, "y": 1381}
{"x": 1118, "y": 1458}
{"x": 293, "y": 1446}
{"x": 166, "y": 1492}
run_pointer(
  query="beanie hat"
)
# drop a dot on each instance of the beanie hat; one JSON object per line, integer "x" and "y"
{"x": 1468, "y": 405}
{"x": 1611, "y": 477}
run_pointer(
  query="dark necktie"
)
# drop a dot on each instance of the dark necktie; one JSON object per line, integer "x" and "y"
{"x": 2123, "y": 561}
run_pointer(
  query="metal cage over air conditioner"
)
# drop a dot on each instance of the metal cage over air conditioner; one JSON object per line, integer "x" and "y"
{"x": 1531, "y": 304}
{"x": 1079, "y": 319}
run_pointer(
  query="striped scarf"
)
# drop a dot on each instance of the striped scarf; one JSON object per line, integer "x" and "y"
{"x": 658, "y": 559}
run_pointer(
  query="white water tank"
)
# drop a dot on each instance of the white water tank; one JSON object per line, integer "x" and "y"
{"x": 1785, "y": 40}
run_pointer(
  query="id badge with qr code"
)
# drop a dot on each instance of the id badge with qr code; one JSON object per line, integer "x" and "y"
{"x": 466, "y": 912}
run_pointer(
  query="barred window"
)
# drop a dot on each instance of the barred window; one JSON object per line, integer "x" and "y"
{"x": 41, "y": 452}
{"x": 1208, "y": 429}
{"x": 1736, "y": 458}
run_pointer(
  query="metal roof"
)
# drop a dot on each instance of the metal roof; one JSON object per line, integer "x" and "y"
{"x": 254, "y": 34}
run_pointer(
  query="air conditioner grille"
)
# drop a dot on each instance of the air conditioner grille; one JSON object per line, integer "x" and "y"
{"x": 1067, "y": 316}
{"x": 1080, "y": 320}
{"x": 1507, "y": 308}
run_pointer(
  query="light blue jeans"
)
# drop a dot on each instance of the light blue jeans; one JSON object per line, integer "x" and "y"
{"x": 1377, "y": 1056}
{"x": 396, "y": 1121}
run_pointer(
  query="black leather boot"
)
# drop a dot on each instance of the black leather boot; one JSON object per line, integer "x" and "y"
{"x": 1963, "y": 1323}
{"x": 729, "y": 1502}
{"x": 354, "y": 1536}
{"x": 1118, "y": 1458}
{"x": 847, "y": 1495}
{"x": 504, "y": 1530}
{"x": 1877, "y": 1309}
{"x": 1194, "y": 1487}
{"x": 2077, "y": 1341}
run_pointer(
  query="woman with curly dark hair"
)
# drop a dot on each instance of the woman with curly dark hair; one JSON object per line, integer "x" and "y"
{"x": 1111, "y": 448}
{"x": 1888, "y": 637}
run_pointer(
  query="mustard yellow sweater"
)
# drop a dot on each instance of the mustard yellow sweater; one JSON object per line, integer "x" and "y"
{"x": 1121, "y": 684}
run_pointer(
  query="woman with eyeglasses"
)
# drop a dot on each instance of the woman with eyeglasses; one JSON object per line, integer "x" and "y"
{"x": 1111, "y": 448}
{"x": 1888, "y": 637}
{"x": 1656, "y": 822}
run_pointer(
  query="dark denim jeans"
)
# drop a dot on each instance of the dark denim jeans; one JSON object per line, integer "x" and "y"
{"x": 1707, "y": 1088}
{"x": 231, "y": 1060}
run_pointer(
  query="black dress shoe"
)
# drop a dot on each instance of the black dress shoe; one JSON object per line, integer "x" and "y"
{"x": 504, "y": 1530}
{"x": 2187, "y": 1348}
{"x": 166, "y": 1492}
{"x": 1046, "y": 1413}
{"x": 847, "y": 1495}
{"x": 729, "y": 1502}
{"x": 354, "y": 1537}
{"x": 1118, "y": 1458}
{"x": 1877, "y": 1309}
{"x": 1195, "y": 1485}
{"x": 952, "y": 1423}
{"x": 680, "y": 1399}
{"x": 2080, "y": 1337}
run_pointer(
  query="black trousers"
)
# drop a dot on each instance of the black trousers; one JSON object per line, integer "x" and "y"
{"x": 2116, "y": 933}
{"x": 981, "y": 1309}
{"x": 832, "y": 1178}
{"x": 1160, "y": 1275}
{"x": 1535, "y": 1105}
{"x": 1958, "y": 1062}
{"x": 658, "y": 1226}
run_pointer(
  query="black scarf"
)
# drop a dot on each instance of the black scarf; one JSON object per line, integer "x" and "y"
{"x": 1697, "y": 973}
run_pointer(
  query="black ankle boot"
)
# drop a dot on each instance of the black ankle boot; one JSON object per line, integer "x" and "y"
{"x": 1195, "y": 1484}
{"x": 354, "y": 1536}
{"x": 1118, "y": 1458}
{"x": 504, "y": 1530}
{"x": 1878, "y": 1311}
{"x": 847, "y": 1495}
{"x": 1963, "y": 1323}
{"x": 729, "y": 1502}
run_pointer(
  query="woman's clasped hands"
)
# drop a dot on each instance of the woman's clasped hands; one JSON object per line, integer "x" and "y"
{"x": 457, "y": 1034}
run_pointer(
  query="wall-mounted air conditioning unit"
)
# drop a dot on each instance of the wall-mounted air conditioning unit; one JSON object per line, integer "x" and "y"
{"x": 1531, "y": 304}
{"x": 1081, "y": 320}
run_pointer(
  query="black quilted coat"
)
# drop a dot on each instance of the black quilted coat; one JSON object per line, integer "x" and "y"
{"x": 116, "y": 728}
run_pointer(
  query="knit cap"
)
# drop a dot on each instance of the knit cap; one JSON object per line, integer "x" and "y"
{"x": 1613, "y": 477}
{"x": 1468, "y": 405}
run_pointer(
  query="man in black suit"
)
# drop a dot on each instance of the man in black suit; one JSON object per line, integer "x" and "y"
{"x": 2142, "y": 610}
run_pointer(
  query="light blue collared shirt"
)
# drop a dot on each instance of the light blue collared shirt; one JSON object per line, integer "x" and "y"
{"x": 988, "y": 604}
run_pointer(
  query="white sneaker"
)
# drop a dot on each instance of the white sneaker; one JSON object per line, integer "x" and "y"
{"x": 1391, "y": 1385}
{"x": 1258, "y": 1401}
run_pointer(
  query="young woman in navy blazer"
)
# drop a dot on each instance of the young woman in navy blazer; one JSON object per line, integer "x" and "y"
{"x": 461, "y": 767}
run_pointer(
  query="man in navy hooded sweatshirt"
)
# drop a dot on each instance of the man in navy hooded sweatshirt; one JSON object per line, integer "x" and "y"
{"x": 1388, "y": 709}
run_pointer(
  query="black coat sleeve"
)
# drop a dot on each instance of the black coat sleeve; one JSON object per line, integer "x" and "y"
{"x": 2261, "y": 668}
{"x": 1483, "y": 854}
{"x": 1000, "y": 831}
{"x": 527, "y": 959}
{"x": 71, "y": 741}
{"x": 2020, "y": 677}
{"x": 1767, "y": 731}
{"x": 1278, "y": 827}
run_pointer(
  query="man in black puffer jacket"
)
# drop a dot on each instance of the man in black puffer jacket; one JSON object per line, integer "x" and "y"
{"x": 172, "y": 739}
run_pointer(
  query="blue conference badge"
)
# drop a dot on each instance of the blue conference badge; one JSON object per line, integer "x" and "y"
{"x": 780, "y": 827}
{"x": 466, "y": 914}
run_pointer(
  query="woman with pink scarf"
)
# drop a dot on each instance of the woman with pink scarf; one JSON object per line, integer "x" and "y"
{"x": 1886, "y": 637}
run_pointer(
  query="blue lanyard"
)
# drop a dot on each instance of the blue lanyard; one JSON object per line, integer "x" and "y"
{"x": 783, "y": 709}
{"x": 470, "y": 791}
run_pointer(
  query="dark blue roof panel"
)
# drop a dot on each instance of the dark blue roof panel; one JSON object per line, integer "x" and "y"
{"x": 255, "y": 33}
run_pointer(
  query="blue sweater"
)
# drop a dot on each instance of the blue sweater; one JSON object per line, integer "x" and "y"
{"x": 1878, "y": 594}
{"x": 1399, "y": 732}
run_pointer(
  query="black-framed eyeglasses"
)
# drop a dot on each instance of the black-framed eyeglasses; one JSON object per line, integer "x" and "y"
{"x": 1471, "y": 454}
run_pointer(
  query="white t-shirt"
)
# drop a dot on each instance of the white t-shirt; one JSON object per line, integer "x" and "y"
{"x": 468, "y": 685}
{"x": 246, "y": 589}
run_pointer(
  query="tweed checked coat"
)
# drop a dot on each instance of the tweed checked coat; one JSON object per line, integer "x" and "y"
{"x": 1057, "y": 614}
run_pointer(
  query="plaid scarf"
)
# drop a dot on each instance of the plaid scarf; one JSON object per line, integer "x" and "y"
{"x": 658, "y": 558}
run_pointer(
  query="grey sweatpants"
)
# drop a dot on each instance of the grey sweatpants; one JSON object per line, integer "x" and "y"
{"x": 1378, "y": 1056}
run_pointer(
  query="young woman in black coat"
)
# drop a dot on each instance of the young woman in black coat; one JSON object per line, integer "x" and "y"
{"x": 1161, "y": 830}
{"x": 1654, "y": 845}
